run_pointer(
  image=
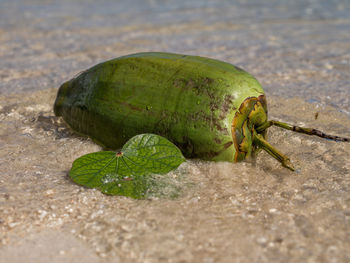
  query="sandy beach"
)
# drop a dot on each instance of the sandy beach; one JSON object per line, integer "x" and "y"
{"x": 243, "y": 212}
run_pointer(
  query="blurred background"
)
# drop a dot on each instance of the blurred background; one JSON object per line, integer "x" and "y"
{"x": 298, "y": 48}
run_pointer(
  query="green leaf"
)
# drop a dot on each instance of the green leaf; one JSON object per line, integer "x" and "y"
{"x": 129, "y": 171}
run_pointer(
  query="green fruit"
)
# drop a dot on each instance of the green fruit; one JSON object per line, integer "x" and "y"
{"x": 210, "y": 109}
{"x": 190, "y": 100}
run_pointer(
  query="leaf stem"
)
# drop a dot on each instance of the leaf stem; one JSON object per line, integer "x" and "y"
{"x": 262, "y": 143}
{"x": 308, "y": 131}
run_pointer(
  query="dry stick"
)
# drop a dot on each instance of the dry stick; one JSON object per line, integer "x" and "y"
{"x": 262, "y": 143}
{"x": 309, "y": 131}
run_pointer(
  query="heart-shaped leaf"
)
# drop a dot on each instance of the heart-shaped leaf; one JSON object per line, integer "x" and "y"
{"x": 129, "y": 171}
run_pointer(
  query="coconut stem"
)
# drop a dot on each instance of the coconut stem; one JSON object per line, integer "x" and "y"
{"x": 262, "y": 143}
{"x": 309, "y": 131}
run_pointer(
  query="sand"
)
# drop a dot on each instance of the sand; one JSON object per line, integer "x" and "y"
{"x": 244, "y": 212}
{"x": 249, "y": 212}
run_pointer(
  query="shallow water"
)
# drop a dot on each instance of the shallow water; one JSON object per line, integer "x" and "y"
{"x": 294, "y": 48}
{"x": 298, "y": 50}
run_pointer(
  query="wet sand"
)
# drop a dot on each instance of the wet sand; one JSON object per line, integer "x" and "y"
{"x": 245, "y": 212}
{"x": 249, "y": 212}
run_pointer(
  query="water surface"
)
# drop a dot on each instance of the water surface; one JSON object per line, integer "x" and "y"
{"x": 249, "y": 212}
